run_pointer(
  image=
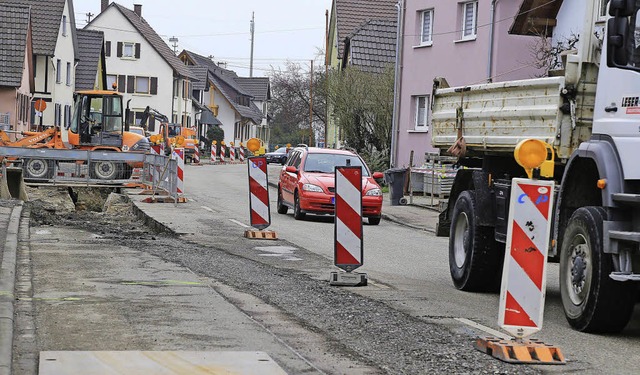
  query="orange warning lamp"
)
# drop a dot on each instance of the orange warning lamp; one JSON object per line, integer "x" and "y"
{"x": 214, "y": 142}
{"x": 531, "y": 154}
{"x": 254, "y": 144}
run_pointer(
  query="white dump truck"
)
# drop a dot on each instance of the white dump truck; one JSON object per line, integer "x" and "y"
{"x": 590, "y": 115}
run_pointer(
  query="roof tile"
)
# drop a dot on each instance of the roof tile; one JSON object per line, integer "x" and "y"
{"x": 14, "y": 26}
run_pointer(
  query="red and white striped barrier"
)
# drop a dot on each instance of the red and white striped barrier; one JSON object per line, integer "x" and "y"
{"x": 348, "y": 249}
{"x": 260, "y": 212}
{"x": 214, "y": 152}
{"x": 196, "y": 155}
{"x": 223, "y": 152}
{"x": 232, "y": 153}
{"x": 524, "y": 275}
{"x": 178, "y": 154}
{"x": 241, "y": 153}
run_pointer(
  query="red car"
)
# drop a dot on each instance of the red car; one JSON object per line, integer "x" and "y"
{"x": 307, "y": 183}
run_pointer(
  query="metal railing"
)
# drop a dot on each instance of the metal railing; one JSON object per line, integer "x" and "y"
{"x": 95, "y": 168}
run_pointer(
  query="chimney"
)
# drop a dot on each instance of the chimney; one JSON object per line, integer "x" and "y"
{"x": 137, "y": 8}
{"x": 104, "y": 4}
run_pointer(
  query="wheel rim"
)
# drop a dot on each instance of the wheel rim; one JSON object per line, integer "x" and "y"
{"x": 37, "y": 168}
{"x": 578, "y": 267}
{"x": 105, "y": 170}
{"x": 460, "y": 239}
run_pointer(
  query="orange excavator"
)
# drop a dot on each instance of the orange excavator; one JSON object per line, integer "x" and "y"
{"x": 99, "y": 122}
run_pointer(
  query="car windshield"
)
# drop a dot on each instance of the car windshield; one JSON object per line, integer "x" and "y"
{"x": 281, "y": 150}
{"x": 326, "y": 163}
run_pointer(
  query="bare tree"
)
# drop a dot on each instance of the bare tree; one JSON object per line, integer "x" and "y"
{"x": 547, "y": 55}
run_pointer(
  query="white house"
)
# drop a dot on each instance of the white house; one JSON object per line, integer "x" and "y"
{"x": 260, "y": 89}
{"x": 54, "y": 59}
{"x": 143, "y": 67}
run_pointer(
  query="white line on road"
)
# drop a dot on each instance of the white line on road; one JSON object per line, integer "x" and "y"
{"x": 239, "y": 223}
{"x": 208, "y": 208}
{"x": 486, "y": 329}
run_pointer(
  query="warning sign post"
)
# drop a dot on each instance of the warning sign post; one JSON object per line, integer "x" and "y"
{"x": 259, "y": 209}
{"x": 348, "y": 244}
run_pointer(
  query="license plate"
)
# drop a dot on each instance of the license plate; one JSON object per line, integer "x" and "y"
{"x": 333, "y": 200}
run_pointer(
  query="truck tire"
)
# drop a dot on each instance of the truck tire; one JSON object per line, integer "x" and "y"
{"x": 104, "y": 170}
{"x": 592, "y": 301}
{"x": 38, "y": 169}
{"x": 474, "y": 255}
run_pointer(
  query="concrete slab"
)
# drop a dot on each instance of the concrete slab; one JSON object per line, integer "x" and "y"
{"x": 156, "y": 362}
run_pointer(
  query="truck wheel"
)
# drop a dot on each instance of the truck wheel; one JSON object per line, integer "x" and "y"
{"x": 592, "y": 301}
{"x": 282, "y": 209}
{"x": 104, "y": 170}
{"x": 39, "y": 169}
{"x": 474, "y": 259}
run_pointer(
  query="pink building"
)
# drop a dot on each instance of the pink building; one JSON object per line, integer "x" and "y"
{"x": 466, "y": 42}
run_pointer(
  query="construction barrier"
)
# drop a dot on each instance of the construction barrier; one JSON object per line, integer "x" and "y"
{"x": 241, "y": 153}
{"x": 260, "y": 212}
{"x": 196, "y": 155}
{"x": 214, "y": 152}
{"x": 178, "y": 155}
{"x": 348, "y": 249}
{"x": 223, "y": 152}
{"x": 232, "y": 153}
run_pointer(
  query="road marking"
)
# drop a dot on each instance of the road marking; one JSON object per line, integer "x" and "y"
{"x": 208, "y": 208}
{"x": 486, "y": 329}
{"x": 377, "y": 285}
{"x": 239, "y": 223}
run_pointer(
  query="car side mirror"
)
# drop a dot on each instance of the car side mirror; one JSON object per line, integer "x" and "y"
{"x": 291, "y": 169}
{"x": 378, "y": 175}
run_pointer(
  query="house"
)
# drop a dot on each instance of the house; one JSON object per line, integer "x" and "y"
{"x": 465, "y": 42}
{"x": 16, "y": 76}
{"x": 54, "y": 58}
{"x": 219, "y": 90}
{"x": 143, "y": 67}
{"x": 260, "y": 89}
{"x": 91, "y": 71}
{"x": 371, "y": 47}
{"x": 346, "y": 17}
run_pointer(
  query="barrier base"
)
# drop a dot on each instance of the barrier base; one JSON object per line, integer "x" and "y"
{"x": 260, "y": 235}
{"x": 529, "y": 351}
{"x": 339, "y": 278}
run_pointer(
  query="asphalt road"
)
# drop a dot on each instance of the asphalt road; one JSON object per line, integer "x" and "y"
{"x": 409, "y": 271}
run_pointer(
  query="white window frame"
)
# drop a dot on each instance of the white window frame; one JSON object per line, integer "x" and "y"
{"x": 148, "y": 86}
{"x": 58, "y": 71}
{"x": 602, "y": 9}
{"x": 429, "y": 35}
{"x": 425, "y": 116}
{"x": 133, "y": 50}
{"x": 110, "y": 83}
{"x": 64, "y": 25}
{"x": 474, "y": 21}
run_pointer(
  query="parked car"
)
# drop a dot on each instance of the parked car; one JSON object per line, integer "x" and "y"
{"x": 307, "y": 183}
{"x": 278, "y": 156}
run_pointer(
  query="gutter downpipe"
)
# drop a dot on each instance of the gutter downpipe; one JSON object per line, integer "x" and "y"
{"x": 492, "y": 22}
{"x": 395, "y": 128}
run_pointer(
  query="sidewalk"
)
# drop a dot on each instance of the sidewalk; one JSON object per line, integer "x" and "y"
{"x": 417, "y": 215}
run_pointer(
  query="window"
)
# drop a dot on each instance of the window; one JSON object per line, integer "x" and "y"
{"x": 112, "y": 79}
{"x": 68, "y": 74}
{"x": 58, "y": 72}
{"x": 421, "y": 113}
{"x": 64, "y": 25}
{"x": 142, "y": 85}
{"x": 469, "y": 20}
{"x": 427, "y": 27}
{"x": 107, "y": 48}
{"x": 602, "y": 8}
{"x": 127, "y": 49}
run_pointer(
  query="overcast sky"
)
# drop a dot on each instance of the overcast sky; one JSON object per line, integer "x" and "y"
{"x": 284, "y": 29}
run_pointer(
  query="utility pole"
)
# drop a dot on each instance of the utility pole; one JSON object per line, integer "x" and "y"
{"x": 311, "y": 105}
{"x": 89, "y": 15}
{"x": 252, "y": 29}
{"x": 174, "y": 40}
{"x": 326, "y": 79}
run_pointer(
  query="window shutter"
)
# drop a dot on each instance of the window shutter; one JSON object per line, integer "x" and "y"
{"x": 121, "y": 83}
{"x": 107, "y": 48}
{"x": 153, "y": 90}
{"x": 65, "y": 116}
{"x": 131, "y": 84}
{"x": 137, "y": 53}
{"x": 119, "y": 49}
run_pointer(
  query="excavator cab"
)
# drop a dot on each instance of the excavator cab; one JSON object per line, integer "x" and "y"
{"x": 97, "y": 119}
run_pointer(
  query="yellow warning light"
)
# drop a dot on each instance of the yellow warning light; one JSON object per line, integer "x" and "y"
{"x": 231, "y": 144}
{"x": 602, "y": 184}
{"x": 222, "y": 143}
{"x": 214, "y": 142}
{"x": 288, "y": 145}
{"x": 254, "y": 144}
{"x": 532, "y": 154}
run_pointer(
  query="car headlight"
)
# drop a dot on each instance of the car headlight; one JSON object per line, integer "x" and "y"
{"x": 374, "y": 192}
{"x": 311, "y": 187}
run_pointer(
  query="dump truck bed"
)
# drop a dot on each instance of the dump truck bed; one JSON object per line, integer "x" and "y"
{"x": 499, "y": 115}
